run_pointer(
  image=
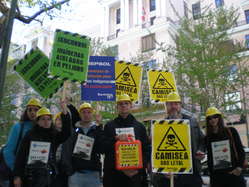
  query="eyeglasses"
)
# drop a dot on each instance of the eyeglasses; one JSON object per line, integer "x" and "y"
{"x": 213, "y": 117}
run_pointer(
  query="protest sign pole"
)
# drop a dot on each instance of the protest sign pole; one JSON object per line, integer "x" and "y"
{"x": 97, "y": 108}
{"x": 97, "y": 114}
{"x": 64, "y": 91}
{"x": 171, "y": 180}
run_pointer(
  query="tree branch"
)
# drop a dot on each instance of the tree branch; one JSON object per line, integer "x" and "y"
{"x": 27, "y": 20}
{"x": 4, "y": 9}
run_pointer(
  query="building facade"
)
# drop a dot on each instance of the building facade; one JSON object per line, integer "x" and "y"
{"x": 136, "y": 27}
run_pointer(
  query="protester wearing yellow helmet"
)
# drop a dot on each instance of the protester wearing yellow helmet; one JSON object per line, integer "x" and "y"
{"x": 225, "y": 169}
{"x": 173, "y": 105}
{"x": 16, "y": 134}
{"x": 61, "y": 179}
{"x": 174, "y": 111}
{"x": 81, "y": 153}
{"x": 44, "y": 118}
{"x": 122, "y": 128}
{"x": 212, "y": 111}
{"x": 34, "y": 170}
{"x": 57, "y": 121}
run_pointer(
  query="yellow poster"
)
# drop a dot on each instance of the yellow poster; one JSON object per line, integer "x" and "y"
{"x": 171, "y": 147}
{"x": 161, "y": 83}
{"x": 129, "y": 155}
{"x": 128, "y": 79}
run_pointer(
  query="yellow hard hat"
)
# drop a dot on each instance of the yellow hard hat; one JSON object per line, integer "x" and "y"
{"x": 173, "y": 97}
{"x": 57, "y": 116}
{"x": 85, "y": 105}
{"x": 212, "y": 111}
{"x": 124, "y": 97}
{"x": 34, "y": 102}
{"x": 43, "y": 111}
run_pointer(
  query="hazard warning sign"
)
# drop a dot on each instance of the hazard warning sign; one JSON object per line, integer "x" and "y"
{"x": 128, "y": 155}
{"x": 128, "y": 79}
{"x": 171, "y": 142}
{"x": 161, "y": 83}
{"x": 171, "y": 146}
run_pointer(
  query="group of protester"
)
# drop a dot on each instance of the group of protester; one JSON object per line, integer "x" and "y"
{"x": 75, "y": 143}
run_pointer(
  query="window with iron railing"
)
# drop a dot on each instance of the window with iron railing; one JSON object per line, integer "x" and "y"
{"x": 185, "y": 9}
{"x": 148, "y": 42}
{"x": 118, "y": 16}
{"x": 196, "y": 10}
{"x": 152, "y": 5}
{"x": 247, "y": 16}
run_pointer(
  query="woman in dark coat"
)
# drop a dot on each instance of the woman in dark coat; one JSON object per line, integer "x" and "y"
{"x": 35, "y": 164}
{"x": 225, "y": 152}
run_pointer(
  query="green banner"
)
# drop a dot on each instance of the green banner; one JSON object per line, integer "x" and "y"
{"x": 33, "y": 68}
{"x": 70, "y": 56}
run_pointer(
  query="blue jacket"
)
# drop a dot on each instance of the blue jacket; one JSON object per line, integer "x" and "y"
{"x": 10, "y": 147}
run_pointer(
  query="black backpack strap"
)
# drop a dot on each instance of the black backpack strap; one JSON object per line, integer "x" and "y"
{"x": 19, "y": 138}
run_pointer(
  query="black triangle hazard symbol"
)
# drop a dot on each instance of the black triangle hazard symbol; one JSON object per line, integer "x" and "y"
{"x": 162, "y": 83}
{"x": 171, "y": 142}
{"x": 126, "y": 78}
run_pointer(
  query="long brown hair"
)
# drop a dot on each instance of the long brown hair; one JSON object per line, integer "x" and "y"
{"x": 24, "y": 116}
{"x": 222, "y": 129}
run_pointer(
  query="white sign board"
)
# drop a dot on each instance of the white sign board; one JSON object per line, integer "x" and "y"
{"x": 221, "y": 154}
{"x": 83, "y": 147}
{"x": 39, "y": 151}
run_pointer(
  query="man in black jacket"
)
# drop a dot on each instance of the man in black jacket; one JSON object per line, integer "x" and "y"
{"x": 119, "y": 129}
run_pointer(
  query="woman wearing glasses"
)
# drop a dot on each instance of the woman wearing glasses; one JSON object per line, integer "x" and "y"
{"x": 225, "y": 152}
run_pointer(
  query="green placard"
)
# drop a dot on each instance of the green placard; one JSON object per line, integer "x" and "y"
{"x": 70, "y": 56}
{"x": 33, "y": 68}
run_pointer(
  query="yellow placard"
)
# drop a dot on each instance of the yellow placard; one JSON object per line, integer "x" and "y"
{"x": 171, "y": 147}
{"x": 161, "y": 83}
{"x": 128, "y": 79}
{"x": 128, "y": 155}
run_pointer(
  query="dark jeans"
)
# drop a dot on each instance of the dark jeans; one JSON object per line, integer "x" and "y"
{"x": 227, "y": 180}
{"x": 188, "y": 180}
{"x": 114, "y": 178}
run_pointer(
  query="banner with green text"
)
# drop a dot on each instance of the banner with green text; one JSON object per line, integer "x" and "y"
{"x": 70, "y": 54}
{"x": 33, "y": 68}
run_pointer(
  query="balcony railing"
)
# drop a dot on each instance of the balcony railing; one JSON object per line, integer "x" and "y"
{"x": 111, "y": 37}
{"x": 168, "y": 19}
{"x": 240, "y": 23}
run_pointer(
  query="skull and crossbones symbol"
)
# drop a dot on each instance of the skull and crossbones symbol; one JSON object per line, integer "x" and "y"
{"x": 126, "y": 77}
{"x": 162, "y": 82}
{"x": 171, "y": 141}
